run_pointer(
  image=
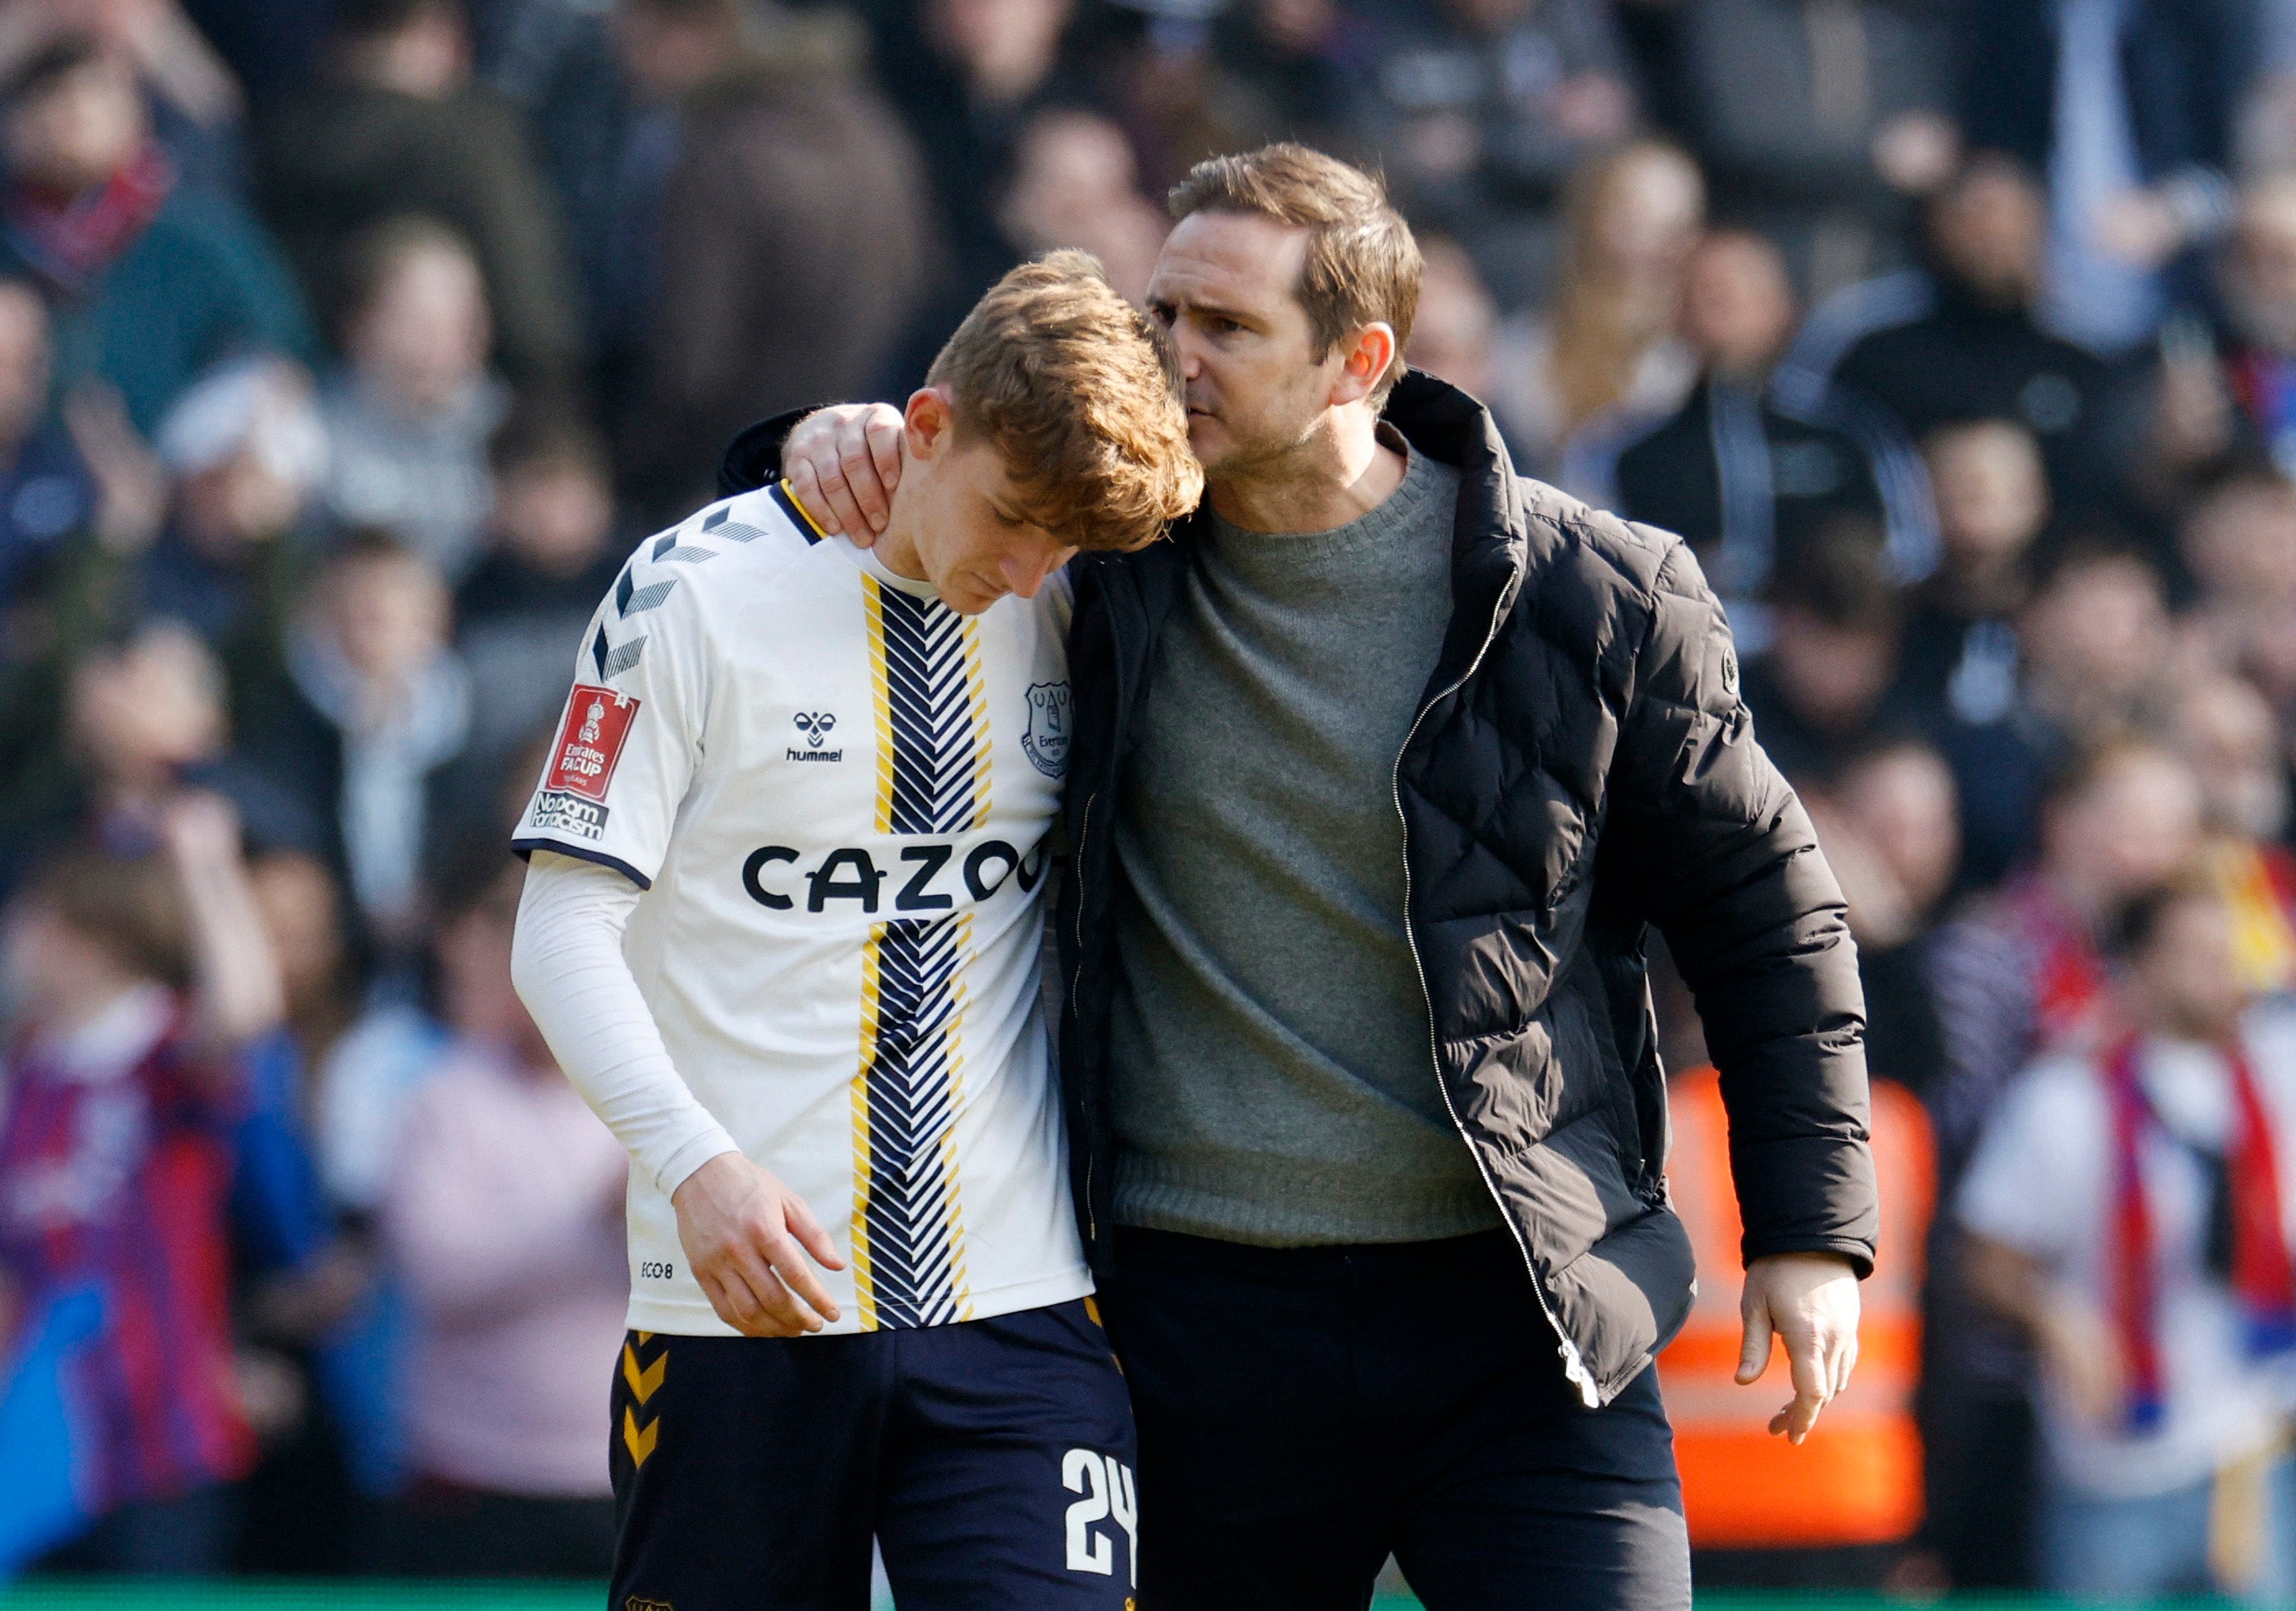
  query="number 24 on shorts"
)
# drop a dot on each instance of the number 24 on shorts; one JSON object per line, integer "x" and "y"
{"x": 1106, "y": 1484}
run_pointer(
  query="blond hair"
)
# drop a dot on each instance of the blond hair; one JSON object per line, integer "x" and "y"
{"x": 1363, "y": 266}
{"x": 1079, "y": 392}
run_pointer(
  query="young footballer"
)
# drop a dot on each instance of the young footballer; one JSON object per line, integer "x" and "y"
{"x": 782, "y": 927}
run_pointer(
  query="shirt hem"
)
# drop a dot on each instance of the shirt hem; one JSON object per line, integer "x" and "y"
{"x": 670, "y": 1318}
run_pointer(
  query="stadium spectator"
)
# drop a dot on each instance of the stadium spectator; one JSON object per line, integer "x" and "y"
{"x": 193, "y": 99}
{"x": 151, "y": 280}
{"x": 1604, "y": 358}
{"x": 1959, "y": 340}
{"x": 301, "y": 906}
{"x": 1481, "y": 111}
{"x": 2226, "y": 732}
{"x": 408, "y": 419}
{"x": 520, "y": 615}
{"x": 1307, "y": 59}
{"x": 1075, "y": 183}
{"x": 374, "y": 705}
{"x": 2237, "y": 543}
{"x": 1829, "y": 654}
{"x": 146, "y": 975}
{"x": 1458, "y": 321}
{"x": 1747, "y": 471}
{"x": 1893, "y": 836}
{"x": 143, "y": 715}
{"x": 1817, "y": 122}
{"x": 502, "y": 1219}
{"x": 2094, "y": 647}
{"x": 795, "y": 242}
{"x": 2126, "y": 108}
{"x": 2019, "y": 975}
{"x": 47, "y": 493}
{"x": 2124, "y": 1211}
{"x": 395, "y": 126}
{"x": 2256, "y": 279}
{"x": 245, "y": 451}
{"x": 965, "y": 75}
{"x": 1992, "y": 499}
{"x": 2022, "y": 973}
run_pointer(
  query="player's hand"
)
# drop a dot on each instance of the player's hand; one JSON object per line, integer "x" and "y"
{"x": 746, "y": 1235}
{"x": 843, "y": 463}
{"x": 1809, "y": 1300}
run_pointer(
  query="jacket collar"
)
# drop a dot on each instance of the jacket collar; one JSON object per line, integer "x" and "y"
{"x": 1490, "y": 536}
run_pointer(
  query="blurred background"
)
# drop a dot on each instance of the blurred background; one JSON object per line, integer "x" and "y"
{"x": 347, "y": 347}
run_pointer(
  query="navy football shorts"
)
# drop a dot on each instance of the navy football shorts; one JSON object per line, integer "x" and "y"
{"x": 992, "y": 1460}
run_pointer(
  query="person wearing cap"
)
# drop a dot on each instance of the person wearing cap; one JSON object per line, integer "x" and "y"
{"x": 245, "y": 452}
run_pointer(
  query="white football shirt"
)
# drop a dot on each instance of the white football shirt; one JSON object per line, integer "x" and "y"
{"x": 836, "y": 793}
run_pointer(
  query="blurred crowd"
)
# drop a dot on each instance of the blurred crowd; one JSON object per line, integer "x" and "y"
{"x": 347, "y": 347}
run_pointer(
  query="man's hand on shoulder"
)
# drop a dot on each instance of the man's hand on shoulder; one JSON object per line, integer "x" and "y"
{"x": 1809, "y": 1301}
{"x": 843, "y": 462}
{"x": 746, "y": 1235}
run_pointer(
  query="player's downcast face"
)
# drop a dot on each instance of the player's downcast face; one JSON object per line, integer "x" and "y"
{"x": 973, "y": 538}
{"x": 1226, "y": 287}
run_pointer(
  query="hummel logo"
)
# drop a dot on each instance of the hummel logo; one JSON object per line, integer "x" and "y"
{"x": 815, "y": 725}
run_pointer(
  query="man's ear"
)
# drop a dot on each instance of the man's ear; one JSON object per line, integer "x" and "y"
{"x": 1370, "y": 357}
{"x": 928, "y": 420}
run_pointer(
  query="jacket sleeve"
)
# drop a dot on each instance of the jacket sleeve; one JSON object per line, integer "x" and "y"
{"x": 1726, "y": 862}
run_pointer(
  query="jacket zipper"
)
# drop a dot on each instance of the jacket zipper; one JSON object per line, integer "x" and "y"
{"x": 1573, "y": 1366}
{"x": 1075, "y": 1002}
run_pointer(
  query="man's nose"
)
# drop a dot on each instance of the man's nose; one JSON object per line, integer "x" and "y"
{"x": 1027, "y": 577}
{"x": 1191, "y": 355}
{"x": 1023, "y": 577}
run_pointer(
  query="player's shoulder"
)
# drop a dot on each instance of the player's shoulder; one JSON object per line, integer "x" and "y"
{"x": 731, "y": 552}
{"x": 727, "y": 566}
{"x": 750, "y": 535}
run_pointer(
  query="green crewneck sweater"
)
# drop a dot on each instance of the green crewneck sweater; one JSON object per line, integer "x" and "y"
{"x": 1273, "y": 1074}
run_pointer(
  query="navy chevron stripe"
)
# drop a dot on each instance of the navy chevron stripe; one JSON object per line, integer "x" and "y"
{"x": 911, "y": 1216}
{"x": 934, "y": 771}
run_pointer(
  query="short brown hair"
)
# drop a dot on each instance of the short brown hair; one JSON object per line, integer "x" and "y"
{"x": 1081, "y": 393}
{"x": 131, "y": 905}
{"x": 1363, "y": 266}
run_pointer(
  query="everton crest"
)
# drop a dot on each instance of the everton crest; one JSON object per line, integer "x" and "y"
{"x": 1046, "y": 737}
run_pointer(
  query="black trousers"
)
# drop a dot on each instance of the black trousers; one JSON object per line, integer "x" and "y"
{"x": 1306, "y": 1412}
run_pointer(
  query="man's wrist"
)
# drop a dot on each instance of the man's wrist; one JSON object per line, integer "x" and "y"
{"x": 1856, "y": 1256}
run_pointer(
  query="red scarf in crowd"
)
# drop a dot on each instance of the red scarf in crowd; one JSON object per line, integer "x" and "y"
{"x": 2068, "y": 974}
{"x": 70, "y": 239}
{"x": 2263, "y": 1273}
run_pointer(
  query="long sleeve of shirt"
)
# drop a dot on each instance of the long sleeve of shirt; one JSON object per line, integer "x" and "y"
{"x": 567, "y": 962}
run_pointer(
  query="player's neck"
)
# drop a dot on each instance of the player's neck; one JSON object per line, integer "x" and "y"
{"x": 897, "y": 549}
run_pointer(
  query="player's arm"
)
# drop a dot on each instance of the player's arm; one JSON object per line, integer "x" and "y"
{"x": 746, "y": 1235}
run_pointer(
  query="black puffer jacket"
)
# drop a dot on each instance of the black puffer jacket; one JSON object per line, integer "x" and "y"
{"x": 1582, "y": 767}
